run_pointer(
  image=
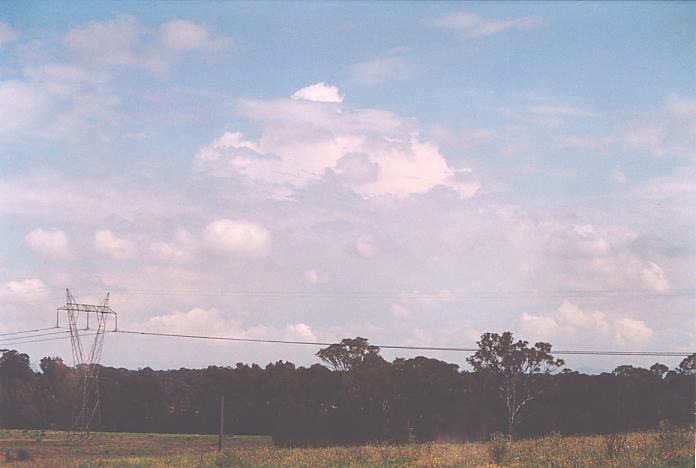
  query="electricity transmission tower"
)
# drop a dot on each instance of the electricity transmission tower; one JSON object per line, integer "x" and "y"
{"x": 86, "y": 356}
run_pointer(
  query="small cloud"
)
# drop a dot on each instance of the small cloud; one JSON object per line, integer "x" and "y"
{"x": 571, "y": 324}
{"x": 474, "y": 26}
{"x": 112, "y": 42}
{"x": 391, "y": 66}
{"x": 632, "y": 332}
{"x": 654, "y": 277}
{"x": 399, "y": 311}
{"x": 180, "y": 36}
{"x": 315, "y": 277}
{"x": 179, "y": 250}
{"x": 579, "y": 241}
{"x": 617, "y": 175}
{"x": 213, "y": 322}
{"x": 7, "y": 34}
{"x": 365, "y": 247}
{"x": 51, "y": 243}
{"x": 124, "y": 42}
{"x": 424, "y": 299}
{"x": 237, "y": 237}
{"x": 319, "y": 92}
{"x": 299, "y": 331}
{"x": 680, "y": 106}
{"x": 196, "y": 320}
{"x": 119, "y": 248}
{"x": 22, "y": 107}
{"x": 670, "y": 132}
{"x": 28, "y": 290}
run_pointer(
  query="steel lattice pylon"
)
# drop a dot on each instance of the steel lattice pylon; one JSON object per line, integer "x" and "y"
{"x": 86, "y": 360}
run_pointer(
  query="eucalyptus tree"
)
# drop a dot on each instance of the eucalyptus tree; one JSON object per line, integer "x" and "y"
{"x": 516, "y": 369}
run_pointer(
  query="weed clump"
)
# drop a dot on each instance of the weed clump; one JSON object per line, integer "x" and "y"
{"x": 20, "y": 455}
{"x": 671, "y": 439}
{"x": 227, "y": 459}
{"x": 499, "y": 447}
{"x": 616, "y": 444}
{"x": 37, "y": 436}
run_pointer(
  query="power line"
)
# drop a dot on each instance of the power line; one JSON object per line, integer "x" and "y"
{"x": 48, "y": 339}
{"x": 416, "y": 295}
{"x": 26, "y": 331}
{"x": 226, "y": 338}
{"x": 481, "y": 294}
{"x": 33, "y": 336}
{"x": 404, "y": 347}
{"x": 586, "y": 352}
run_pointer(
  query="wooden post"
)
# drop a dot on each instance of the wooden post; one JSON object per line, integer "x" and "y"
{"x": 222, "y": 421}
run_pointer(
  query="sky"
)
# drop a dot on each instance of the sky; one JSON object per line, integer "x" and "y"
{"x": 412, "y": 173}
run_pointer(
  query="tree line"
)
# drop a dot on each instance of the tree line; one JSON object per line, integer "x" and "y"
{"x": 357, "y": 396}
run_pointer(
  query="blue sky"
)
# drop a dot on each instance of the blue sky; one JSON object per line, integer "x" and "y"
{"x": 416, "y": 173}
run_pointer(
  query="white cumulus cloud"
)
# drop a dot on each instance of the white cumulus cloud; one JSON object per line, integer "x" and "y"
{"x": 109, "y": 243}
{"x": 319, "y": 92}
{"x": 122, "y": 42}
{"x": 29, "y": 290}
{"x": 299, "y": 331}
{"x": 631, "y": 332}
{"x": 51, "y": 243}
{"x": 371, "y": 151}
{"x": 214, "y": 322}
{"x": 570, "y": 324}
{"x": 237, "y": 237}
{"x": 180, "y": 249}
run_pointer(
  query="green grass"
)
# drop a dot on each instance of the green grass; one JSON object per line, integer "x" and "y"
{"x": 645, "y": 449}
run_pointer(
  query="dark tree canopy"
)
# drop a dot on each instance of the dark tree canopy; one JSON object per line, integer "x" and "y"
{"x": 369, "y": 399}
{"x": 659, "y": 370}
{"x": 13, "y": 365}
{"x": 500, "y": 354}
{"x": 688, "y": 365}
{"x": 349, "y": 353}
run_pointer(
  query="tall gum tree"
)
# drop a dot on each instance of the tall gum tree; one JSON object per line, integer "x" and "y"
{"x": 516, "y": 369}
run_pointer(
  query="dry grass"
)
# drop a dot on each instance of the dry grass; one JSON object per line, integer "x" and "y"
{"x": 158, "y": 450}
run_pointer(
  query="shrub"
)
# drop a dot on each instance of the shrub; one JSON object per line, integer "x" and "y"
{"x": 23, "y": 455}
{"x": 499, "y": 447}
{"x": 616, "y": 443}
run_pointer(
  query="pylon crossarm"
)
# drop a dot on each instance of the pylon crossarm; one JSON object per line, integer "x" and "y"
{"x": 88, "y": 308}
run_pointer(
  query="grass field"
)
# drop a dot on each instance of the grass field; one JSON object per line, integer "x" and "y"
{"x": 674, "y": 449}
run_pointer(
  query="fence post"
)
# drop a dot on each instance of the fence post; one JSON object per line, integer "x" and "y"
{"x": 222, "y": 421}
